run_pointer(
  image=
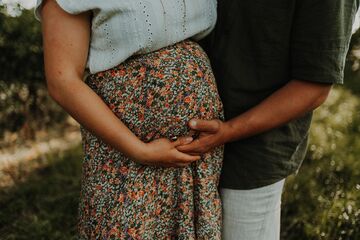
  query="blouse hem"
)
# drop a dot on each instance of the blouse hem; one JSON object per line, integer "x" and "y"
{"x": 63, "y": 4}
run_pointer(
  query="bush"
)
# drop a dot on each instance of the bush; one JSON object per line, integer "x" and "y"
{"x": 323, "y": 200}
{"x": 24, "y": 102}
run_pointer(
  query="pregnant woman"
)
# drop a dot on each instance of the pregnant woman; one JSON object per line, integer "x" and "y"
{"x": 128, "y": 72}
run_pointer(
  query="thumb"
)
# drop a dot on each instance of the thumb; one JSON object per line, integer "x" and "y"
{"x": 204, "y": 125}
{"x": 182, "y": 141}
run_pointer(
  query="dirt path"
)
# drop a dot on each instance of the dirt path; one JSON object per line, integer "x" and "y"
{"x": 18, "y": 160}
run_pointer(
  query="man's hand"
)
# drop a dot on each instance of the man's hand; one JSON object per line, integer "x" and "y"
{"x": 289, "y": 102}
{"x": 213, "y": 133}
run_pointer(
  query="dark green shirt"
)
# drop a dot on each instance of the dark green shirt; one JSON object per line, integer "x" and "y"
{"x": 256, "y": 48}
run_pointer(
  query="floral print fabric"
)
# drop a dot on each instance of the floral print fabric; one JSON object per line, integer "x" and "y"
{"x": 154, "y": 95}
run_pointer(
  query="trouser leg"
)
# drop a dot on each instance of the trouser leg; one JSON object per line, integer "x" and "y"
{"x": 252, "y": 214}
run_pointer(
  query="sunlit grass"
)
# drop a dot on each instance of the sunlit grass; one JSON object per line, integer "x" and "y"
{"x": 43, "y": 202}
{"x": 323, "y": 200}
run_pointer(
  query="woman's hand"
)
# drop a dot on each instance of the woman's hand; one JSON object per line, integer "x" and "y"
{"x": 163, "y": 152}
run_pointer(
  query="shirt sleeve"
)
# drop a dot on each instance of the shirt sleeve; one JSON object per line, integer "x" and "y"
{"x": 320, "y": 39}
{"x": 69, "y": 6}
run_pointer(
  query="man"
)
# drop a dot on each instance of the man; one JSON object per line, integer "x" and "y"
{"x": 275, "y": 62}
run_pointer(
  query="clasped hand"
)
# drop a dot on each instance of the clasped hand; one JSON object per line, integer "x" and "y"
{"x": 185, "y": 150}
{"x": 212, "y": 133}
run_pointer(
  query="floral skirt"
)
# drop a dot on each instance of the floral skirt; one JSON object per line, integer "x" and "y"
{"x": 154, "y": 95}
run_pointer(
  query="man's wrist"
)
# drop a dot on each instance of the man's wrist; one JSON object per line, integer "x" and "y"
{"x": 239, "y": 127}
{"x": 229, "y": 132}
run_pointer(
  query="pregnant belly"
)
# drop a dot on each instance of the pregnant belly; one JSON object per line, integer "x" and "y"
{"x": 156, "y": 94}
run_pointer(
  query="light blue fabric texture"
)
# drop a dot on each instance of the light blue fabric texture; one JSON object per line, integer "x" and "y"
{"x": 252, "y": 214}
{"x": 124, "y": 28}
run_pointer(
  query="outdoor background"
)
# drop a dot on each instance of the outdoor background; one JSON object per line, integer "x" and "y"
{"x": 40, "y": 150}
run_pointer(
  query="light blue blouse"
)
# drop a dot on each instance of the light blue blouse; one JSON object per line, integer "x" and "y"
{"x": 122, "y": 28}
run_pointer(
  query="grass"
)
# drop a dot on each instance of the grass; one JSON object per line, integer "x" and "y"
{"x": 42, "y": 204}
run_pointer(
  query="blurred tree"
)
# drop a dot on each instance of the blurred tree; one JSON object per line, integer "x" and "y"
{"x": 24, "y": 104}
{"x": 20, "y": 47}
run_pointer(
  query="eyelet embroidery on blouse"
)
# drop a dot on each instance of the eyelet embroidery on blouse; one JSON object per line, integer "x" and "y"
{"x": 108, "y": 40}
{"x": 139, "y": 29}
{"x": 184, "y": 16}
{"x": 182, "y": 6}
{"x": 165, "y": 20}
{"x": 149, "y": 25}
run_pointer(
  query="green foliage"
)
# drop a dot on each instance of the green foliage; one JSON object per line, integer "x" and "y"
{"x": 24, "y": 109}
{"x": 21, "y": 57}
{"x": 44, "y": 205}
{"x": 323, "y": 200}
{"x": 24, "y": 103}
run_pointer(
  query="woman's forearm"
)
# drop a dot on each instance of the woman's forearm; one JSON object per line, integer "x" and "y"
{"x": 66, "y": 45}
{"x": 85, "y": 106}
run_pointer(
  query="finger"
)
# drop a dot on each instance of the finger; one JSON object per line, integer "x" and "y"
{"x": 182, "y": 141}
{"x": 197, "y": 153}
{"x": 192, "y": 147}
{"x": 194, "y": 158}
{"x": 186, "y": 158}
{"x": 204, "y": 125}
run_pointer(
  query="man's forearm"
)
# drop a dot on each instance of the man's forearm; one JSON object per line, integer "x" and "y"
{"x": 291, "y": 101}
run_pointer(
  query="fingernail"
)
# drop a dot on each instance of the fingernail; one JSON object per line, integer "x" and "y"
{"x": 193, "y": 123}
{"x": 188, "y": 139}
